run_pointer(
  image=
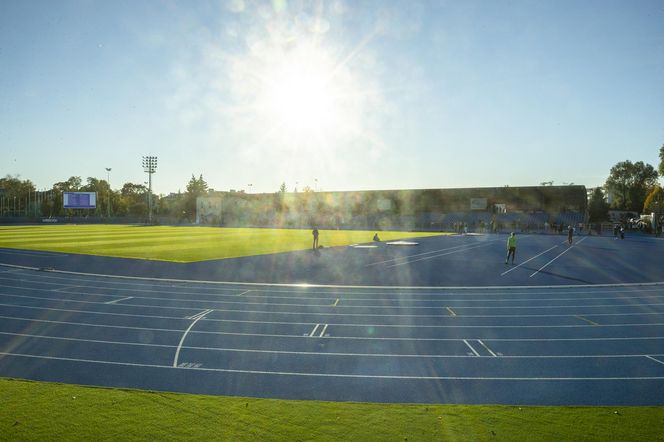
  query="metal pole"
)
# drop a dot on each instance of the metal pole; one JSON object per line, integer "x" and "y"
{"x": 150, "y": 197}
{"x": 108, "y": 180}
{"x": 149, "y": 166}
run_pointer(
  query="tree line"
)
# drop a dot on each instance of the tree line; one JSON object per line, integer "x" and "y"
{"x": 22, "y": 198}
{"x": 631, "y": 187}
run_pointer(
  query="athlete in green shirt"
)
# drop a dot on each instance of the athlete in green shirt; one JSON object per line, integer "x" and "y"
{"x": 511, "y": 247}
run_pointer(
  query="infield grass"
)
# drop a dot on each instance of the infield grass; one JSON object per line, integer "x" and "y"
{"x": 46, "y": 411}
{"x": 179, "y": 244}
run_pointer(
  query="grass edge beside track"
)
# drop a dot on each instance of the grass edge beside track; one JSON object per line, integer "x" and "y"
{"x": 41, "y": 410}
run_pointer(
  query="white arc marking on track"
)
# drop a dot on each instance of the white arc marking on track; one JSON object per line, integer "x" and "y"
{"x": 177, "y": 351}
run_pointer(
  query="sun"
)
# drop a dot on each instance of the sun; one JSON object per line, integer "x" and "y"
{"x": 301, "y": 93}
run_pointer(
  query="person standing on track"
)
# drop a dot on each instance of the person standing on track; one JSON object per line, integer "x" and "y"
{"x": 570, "y": 234}
{"x": 511, "y": 247}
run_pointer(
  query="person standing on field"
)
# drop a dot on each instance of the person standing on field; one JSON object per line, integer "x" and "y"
{"x": 315, "y": 235}
{"x": 570, "y": 234}
{"x": 511, "y": 247}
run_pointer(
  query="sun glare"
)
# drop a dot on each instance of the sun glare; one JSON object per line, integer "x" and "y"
{"x": 301, "y": 99}
{"x": 300, "y": 93}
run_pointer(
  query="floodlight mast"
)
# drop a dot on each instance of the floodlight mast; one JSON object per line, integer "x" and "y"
{"x": 108, "y": 180}
{"x": 149, "y": 167}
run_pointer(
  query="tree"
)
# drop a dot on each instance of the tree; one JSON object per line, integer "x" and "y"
{"x": 133, "y": 199}
{"x": 654, "y": 201}
{"x": 629, "y": 183}
{"x": 195, "y": 188}
{"x": 598, "y": 208}
{"x": 661, "y": 160}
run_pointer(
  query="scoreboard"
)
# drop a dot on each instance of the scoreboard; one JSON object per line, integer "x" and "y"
{"x": 79, "y": 200}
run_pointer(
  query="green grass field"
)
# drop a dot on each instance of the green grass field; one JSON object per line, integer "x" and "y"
{"x": 179, "y": 244}
{"x": 45, "y": 411}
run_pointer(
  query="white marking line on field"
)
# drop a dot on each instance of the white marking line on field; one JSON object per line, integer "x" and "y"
{"x": 244, "y": 293}
{"x": 118, "y": 300}
{"x": 471, "y": 347}
{"x": 536, "y": 256}
{"x": 323, "y": 332}
{"x": 339, "y": 375}
{"x": 437, "y": 256}
{"x": 177, "y": 351}
{"x": 559, "y": 255}
{"x": 314, "y": 330}
{"x": 487, "y": 348}
{"x": 653, "y": 359}
{"x": 452, "y": 313}
{"x": 336, "y": 303}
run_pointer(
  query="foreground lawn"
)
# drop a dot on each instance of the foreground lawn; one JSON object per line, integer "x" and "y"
{"x": 179, "y": 244}
{"x": 45, "y": 411}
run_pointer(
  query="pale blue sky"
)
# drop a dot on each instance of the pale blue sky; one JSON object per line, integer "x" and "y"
{"x": 353, "y": 94}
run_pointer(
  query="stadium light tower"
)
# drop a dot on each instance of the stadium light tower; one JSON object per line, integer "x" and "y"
{"x": 108, "y": 180}
{"x": 150, "y": 167}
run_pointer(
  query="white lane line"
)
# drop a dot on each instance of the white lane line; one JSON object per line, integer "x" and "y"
{"x": 437, "y": 256}
{"x": 332, "y": 314}
{"x": 536, "y": 256}
{"x": 244, "y": 293}
{"x": 177, "y": 351}
{"x": 452, "y": 312}
{"x": 336, "y": 303}
{"x": 322, "y": 333}
{"x": 380, "y": 306}
{"x": 59, "y": 290}
{"x": 487, "y": 348}
{"x": 357, "y": 338}
{"x": 430, "y": 298}
{"x": 118, "y": 300}
{"x": 337, "y": 375}
{"x": 653, "y": 359}
{"x": 559, "y": 255}
{"x": 436, "y": 291}
{"x": 471, "y": 347}
{"x": 342, "y": 354}
{"x": 314, "y": 330}
{"x": 338, "y": 286}
{"x": 294, "y": 312}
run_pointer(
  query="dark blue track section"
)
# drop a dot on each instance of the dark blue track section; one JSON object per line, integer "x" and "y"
{"x": 581, "y": 345}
